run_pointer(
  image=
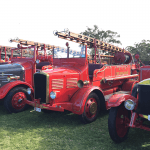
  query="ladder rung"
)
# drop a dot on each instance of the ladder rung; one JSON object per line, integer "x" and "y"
{"x": 32, "y": 43}
{"x": 83, "y": 39}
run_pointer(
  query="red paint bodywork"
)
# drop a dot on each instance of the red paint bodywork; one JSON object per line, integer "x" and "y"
{"x": 104, "y": 81}
{"x": 144, "y": 73}
{"x": 6, "y": 88}
{"x": 79, "y": 98}
{"x": 118, "y": 99}
{"x": 29, "y": 65}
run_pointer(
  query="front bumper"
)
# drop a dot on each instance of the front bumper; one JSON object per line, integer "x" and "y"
{"x": 36, "y": 103}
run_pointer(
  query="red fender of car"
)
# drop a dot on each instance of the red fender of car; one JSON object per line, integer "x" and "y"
{"x": 7, "y": 87}
{"x": 78, "y": 100}
{"x": 117, "y": 99}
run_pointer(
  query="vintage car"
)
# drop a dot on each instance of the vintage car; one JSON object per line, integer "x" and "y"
{"x": 130, "y": 111}
{"x": 80, "y": 87}
{"x": 16, "y": 77}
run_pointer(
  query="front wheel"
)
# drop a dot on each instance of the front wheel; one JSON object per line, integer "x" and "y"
{"x": 91, "y": 109}
{"x": 118, "y": 121}
{"x": 14, "y": 101}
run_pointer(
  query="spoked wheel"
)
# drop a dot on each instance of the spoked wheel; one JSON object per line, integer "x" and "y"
{"x": 91, "y": 109}
{"x": 119, "y": 118}
{"x": 14, "y": 101}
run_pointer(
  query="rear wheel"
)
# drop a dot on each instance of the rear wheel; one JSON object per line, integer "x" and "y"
{"x": 91, "y": 109}
{"x": 119, "y": 118}
{"x": 14, "y": 101}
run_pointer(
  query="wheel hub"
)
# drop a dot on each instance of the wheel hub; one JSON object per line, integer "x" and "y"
{"x": 93, "y": 108}
{"x": 20, "y": 100}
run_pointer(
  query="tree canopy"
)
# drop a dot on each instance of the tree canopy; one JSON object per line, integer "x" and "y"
{"x": 142, "y": 48}
{"x": 105, "y": 36}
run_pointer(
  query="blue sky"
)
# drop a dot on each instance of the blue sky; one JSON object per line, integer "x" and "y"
{"x": 35, "y": 20}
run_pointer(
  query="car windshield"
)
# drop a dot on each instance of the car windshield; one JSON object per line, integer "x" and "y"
{"x": 60, "y": 52}
{"x": 25, "y": 53}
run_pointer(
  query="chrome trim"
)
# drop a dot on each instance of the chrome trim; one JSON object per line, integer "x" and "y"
{"x": 6, "y": 74}
{"x": 71, "y": 82}
{"x": 57, "y": 83}
{"x": 19, "y": 65}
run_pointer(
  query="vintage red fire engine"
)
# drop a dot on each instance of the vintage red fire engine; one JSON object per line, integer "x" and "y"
{"x": 16, "y": 77}
{"x": 83, "y": 88}
{"x": 130, "y": 111}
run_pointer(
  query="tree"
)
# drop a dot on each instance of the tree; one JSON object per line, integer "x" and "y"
{"x": 105, "y": 36}
{"x": 142, "y": 48}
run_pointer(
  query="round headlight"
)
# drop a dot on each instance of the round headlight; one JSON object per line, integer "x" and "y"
{"x": 52, "y": 95}
{"x": 29, "y": 91}
{"x": 129, "y": 104}
{"x": 37, "y": 61}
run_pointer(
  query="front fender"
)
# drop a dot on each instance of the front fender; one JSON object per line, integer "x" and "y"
{"x": 117, "y": 99}
{"x": 80, "y": 97}
{"x": 7, "y": 87}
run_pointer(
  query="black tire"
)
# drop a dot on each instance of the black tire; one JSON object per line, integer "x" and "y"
{"x": 13, "y": 105}
{"x": 85, "y": 117}
{"x": 120, "y": 113}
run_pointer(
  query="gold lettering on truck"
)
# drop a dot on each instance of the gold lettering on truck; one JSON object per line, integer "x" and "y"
{"x": 122, "y": 73}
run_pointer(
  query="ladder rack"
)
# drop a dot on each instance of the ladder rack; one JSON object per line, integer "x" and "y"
{"x": 31, "y": 43}
{"x": 8, "y": 48}
{"x": 90, "y": 42}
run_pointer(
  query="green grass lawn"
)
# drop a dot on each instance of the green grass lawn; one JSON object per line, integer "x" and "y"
{"x": 62, "y": 131}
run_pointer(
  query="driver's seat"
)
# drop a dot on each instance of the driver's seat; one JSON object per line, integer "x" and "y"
{"x": 92, "y": 67}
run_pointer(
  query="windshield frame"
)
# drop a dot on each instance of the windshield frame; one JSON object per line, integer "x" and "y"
{"x": 68, "y": 50}
{"x": 21, "y": 49}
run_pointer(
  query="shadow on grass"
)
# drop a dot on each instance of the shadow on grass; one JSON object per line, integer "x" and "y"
{"x": 63, "y": 130}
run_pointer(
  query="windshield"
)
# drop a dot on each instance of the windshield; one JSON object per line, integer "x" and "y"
{"x": 25, "y": 53}
{"x": 29, "y": 53}
{"x": 60, "y": 52}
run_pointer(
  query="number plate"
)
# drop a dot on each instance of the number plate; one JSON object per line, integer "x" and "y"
{"x": 37, "y": 109}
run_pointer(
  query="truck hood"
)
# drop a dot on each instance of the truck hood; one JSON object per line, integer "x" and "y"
{"x": 11, "y": 70}
{"x": 62, "y": 71}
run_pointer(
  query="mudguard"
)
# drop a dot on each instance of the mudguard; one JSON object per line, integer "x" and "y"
{"x": 80, "y": 97}
{"x": 7, "y": 87}
{"x": 118, "y": 99}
